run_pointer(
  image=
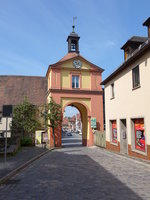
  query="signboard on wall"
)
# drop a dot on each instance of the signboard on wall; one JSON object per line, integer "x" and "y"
{"x": 93, "y": 122}
{"x": 3, "y": 134}
{"x": 114, "y": 131}
{"x": 139, "y": 134}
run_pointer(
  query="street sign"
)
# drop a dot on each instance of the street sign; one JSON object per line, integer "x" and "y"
{"x": 93, "y": 122}
{"x": 7, "y": 111}
{"x": 3, "y": 134}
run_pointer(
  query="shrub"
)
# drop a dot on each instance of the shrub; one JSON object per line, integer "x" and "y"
{"x": 27, "y": 141}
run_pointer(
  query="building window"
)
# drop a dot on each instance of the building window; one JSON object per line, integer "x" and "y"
{"x": 0, "y": 117}
{"x": 139, "y": 134}
{"x": 136, "y": 77}
{"x": 112, "y": 91}
{"x": 114, "y": 130}
{"x": 75, "y": 81}
{"x": 73, "y": 45}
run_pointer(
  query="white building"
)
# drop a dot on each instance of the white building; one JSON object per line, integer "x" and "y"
{"x": 127, "y": 100}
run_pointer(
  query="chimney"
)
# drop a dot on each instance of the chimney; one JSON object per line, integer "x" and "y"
{"x": 147, "y": 23}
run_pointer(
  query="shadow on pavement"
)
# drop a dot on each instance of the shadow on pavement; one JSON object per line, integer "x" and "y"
{"x": 71, "y": 145}
{"x": 21, "y": 157}
{"x": 69, "y": 176}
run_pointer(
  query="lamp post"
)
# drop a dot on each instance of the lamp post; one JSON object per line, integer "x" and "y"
{"x": 6, "y": 140}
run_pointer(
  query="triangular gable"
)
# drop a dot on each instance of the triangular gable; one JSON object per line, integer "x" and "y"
{"x": 72, "y": 56}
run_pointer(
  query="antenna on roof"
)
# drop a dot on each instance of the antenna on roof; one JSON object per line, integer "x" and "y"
{"x": 74, "y": 18}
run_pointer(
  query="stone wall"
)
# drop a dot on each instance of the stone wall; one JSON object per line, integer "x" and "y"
{"x": 113, "y": 147}
{"x": 100, "y": 138}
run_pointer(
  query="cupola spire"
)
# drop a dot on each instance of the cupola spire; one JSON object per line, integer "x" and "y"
{"x": 74, "y": 18}
{"x": 73, "y": 40}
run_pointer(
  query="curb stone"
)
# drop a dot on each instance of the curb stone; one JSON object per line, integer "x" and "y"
{"x": 143, "y": 161}
{"x": 23, "y": 166}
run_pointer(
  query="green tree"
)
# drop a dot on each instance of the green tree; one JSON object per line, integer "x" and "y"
{"x": 53, "y": 115}
{"x": 25, "y": 119}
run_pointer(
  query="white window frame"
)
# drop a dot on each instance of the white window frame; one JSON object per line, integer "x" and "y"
{"x": 75, "y": 81}
{"x": 112, "y": 91}
{"x": 134, "y": 71}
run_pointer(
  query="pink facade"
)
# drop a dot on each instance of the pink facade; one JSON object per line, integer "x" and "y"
{"x": 88, "y": 101}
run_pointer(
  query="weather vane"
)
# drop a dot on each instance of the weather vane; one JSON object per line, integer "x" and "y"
{"x": 74, "y": 18}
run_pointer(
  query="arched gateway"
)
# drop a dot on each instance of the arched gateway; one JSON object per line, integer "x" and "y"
{"x": 75, "y": 81}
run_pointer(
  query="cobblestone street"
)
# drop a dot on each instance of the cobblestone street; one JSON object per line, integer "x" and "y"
{"x": 80, "y": 173}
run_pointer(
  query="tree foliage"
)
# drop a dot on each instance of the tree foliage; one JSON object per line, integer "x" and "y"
{"x": 53, "y": 115}
{"x": 24, "y": 118}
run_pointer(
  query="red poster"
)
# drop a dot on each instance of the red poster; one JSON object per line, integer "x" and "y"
{"x": 139, "y": 134}
{"x": 114, "y": 131}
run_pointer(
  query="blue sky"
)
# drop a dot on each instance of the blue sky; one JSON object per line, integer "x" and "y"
{"x": 70, "y": 111}
{"x": 33, "y": 33}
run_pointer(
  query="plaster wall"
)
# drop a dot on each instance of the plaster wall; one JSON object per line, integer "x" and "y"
{"x": 129, "y": 103}
{"x": 69, "y": 64}
{"x": 68, "y": 70}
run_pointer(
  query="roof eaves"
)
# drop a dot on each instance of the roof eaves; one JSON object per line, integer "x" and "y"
{"x": 147, "y": 22}
{"x": 134, "y": 39}
{"x": 78, "y": 55}
{"x": 126, "y": 63}
{"x": 99, "y": 68}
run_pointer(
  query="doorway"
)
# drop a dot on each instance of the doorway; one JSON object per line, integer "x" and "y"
{"x": 123, "y": 137}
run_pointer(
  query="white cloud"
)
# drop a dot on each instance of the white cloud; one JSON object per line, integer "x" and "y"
{"x": 110, "y": 43}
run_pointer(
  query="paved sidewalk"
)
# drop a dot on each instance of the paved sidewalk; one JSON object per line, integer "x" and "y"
{"x": 24, "y": 155}
{"x": 80, "y": 173}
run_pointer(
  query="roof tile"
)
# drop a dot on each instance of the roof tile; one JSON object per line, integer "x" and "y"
{"x": 13, "y": 89}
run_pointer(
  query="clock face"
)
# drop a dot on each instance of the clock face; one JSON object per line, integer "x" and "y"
{"x": 77, "y": 63}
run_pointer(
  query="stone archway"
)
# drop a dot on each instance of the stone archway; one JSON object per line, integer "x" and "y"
{"x": 87, "y": 134}
{"x": 85, "y": 115}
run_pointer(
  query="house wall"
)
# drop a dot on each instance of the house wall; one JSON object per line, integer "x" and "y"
{"x": 86, "y": 80}
{"x": 68, "y": 70}
{"x": 129, "y": 103}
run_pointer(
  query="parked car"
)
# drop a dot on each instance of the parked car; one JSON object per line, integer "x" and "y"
{"x": 77, "y": 132}
{"x": 80, "y": 133}
{"x": 69, "y": 134}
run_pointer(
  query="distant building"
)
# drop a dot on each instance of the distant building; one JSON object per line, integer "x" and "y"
{"x": 72, "y": 123}
{"x": 78, "y": 122}
{"x": 65, "y": 124}
{"x": 13, "y": 90}
{"x": 127, "y": 100}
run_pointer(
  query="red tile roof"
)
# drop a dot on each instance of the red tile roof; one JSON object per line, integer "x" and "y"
{"x": 13, "y": 89}
{"x": 68, "y": 56}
